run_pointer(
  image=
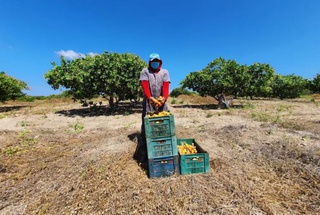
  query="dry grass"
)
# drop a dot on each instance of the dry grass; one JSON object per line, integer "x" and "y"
{"x": 264, "y": 159}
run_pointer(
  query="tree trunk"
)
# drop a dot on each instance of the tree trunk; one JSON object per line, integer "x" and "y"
{"x": 224, "y": 103}
{"x": 111, "y": 103}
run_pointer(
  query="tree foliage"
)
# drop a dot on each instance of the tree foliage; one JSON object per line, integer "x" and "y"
{"x": 222, "y": 78}
{"x": 219, "y": 79}
{"x": 314, "y": 85}
{"x": 288, "y": 86}
{"x": 11, "y": 88}
{"x": 260, "y": 80}
{"x": 180, "y": 91}
{"x": 112, "y": 75}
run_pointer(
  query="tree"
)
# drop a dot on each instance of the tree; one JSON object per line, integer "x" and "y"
{"x": 11, "y": 88}
{"x": 261, "y": 78}
{"x": 288, "y": 86}
{"x": 111, "y": 75}
{"x": 180, "y": 91}
{"x": 314, "y": 84}
{"x": 219, "y": 79}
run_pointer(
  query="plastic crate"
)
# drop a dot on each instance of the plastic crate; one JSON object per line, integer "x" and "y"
{"x": 163, "y": 167}
{"x": 162, "y": 147}
{"x": 156, "y": 127}
{"x": 193, "y": 163}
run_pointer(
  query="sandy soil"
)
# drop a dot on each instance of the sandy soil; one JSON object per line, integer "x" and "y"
{"x": 60, "y": 158}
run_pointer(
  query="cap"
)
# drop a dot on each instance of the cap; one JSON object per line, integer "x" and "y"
{"x": 154, "y": 56}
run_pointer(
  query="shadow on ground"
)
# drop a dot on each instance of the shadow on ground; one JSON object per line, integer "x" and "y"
{"x": 205, "y": 107}
{"x": 11, "y": 108}
{"x": 102, "y": 110}
{"x": 140, "y": 150}
{"x": 136, "y": 138}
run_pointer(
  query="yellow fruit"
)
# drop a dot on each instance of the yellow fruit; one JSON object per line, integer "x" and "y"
{"x": 186, "y": 148}
{"x": 161, "y": 113}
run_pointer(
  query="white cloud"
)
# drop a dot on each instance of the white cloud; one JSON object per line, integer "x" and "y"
{"x": 92, "y": 54}
{"x": 70, "y": 54}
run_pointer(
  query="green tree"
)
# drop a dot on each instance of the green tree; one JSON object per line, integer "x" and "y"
{"x": 314, "y": 85}
{"x": 221, "y": 78}
{"x": 11, "y": 88}
{"x": 288, "y": 86}
{"x": 261, "y": 78}
{"x": 180, "y": 91}
{"x": 112, "y": 75}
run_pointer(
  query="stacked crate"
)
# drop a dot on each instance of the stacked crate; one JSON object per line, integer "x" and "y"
{"x": 162, "y": 149}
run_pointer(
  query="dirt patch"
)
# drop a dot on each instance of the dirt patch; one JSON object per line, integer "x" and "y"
{"x": 60, "y": 158}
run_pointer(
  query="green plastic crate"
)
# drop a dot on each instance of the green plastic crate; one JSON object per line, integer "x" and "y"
{"x": 156, "y": 127}
{"x": 193, "y": 163}
{"x": 162, "y": 147}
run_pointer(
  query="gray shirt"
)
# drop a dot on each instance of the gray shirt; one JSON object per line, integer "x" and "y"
{"x": 155, "y": 80}
{"x": 155, "y": 85}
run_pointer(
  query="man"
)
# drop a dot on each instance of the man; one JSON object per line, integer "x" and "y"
{"x": 155, "y": 82}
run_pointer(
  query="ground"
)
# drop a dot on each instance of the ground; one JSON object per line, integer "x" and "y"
{"x": 60, "y": 158}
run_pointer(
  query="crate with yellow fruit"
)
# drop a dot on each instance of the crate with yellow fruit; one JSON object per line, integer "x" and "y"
{"x": 192, "y": 157}
{"x": 159, "y": 125}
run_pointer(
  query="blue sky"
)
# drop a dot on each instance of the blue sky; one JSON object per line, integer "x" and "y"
{"x": 187, "y": 34}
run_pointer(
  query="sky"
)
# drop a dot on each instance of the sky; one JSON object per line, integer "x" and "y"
{"x": 187, "y": 35}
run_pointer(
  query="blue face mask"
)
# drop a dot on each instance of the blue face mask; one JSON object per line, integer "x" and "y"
{"x": 155, "y": 65}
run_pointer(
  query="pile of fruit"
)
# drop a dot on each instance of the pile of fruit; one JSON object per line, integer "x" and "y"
{"x": 186, "y": 148}
{"x": 158, "y": 114}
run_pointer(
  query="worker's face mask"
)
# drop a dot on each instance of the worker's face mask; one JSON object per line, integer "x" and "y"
{"x": 155, "y": 65}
